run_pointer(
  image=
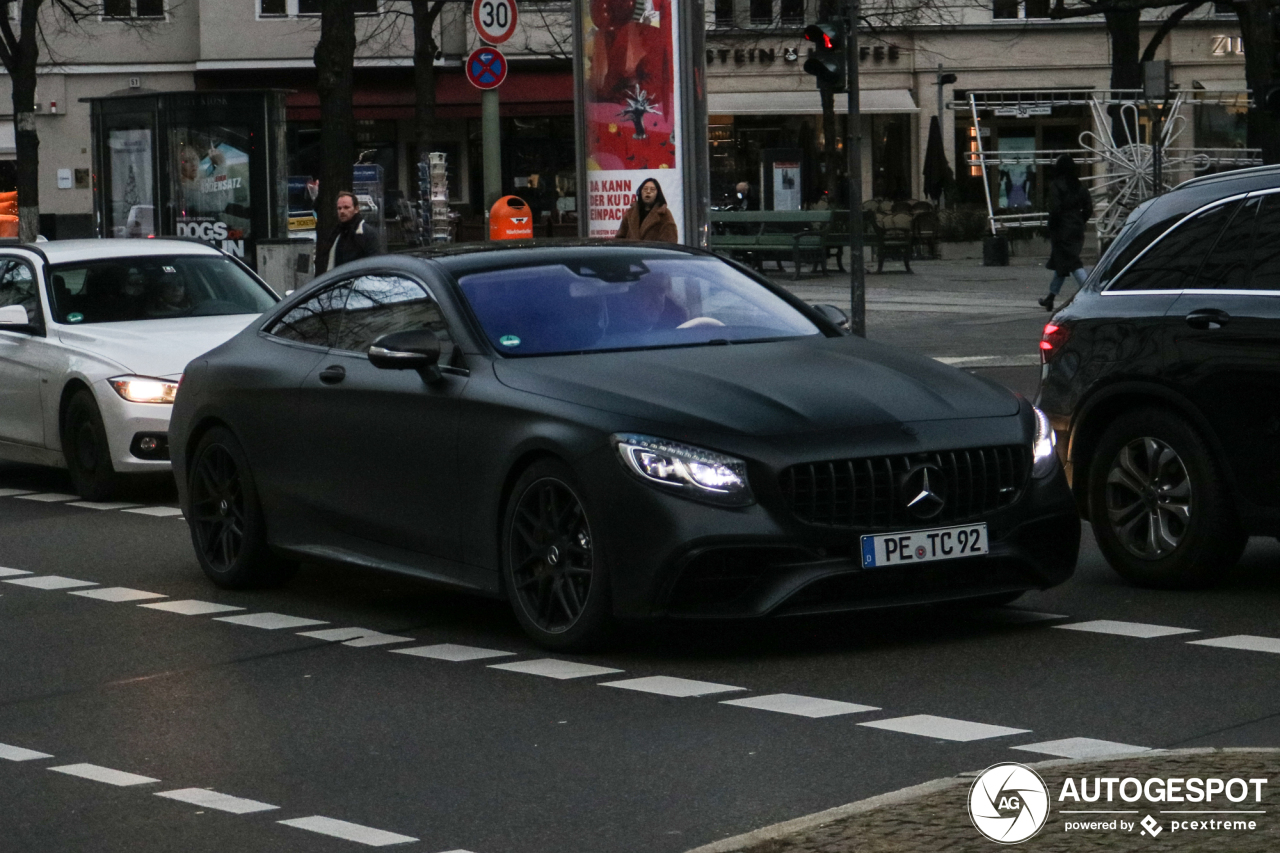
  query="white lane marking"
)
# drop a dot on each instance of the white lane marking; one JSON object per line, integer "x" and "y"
{"x": 100, "y": 505}
{"x": 451, "y": 652}
{"x": 943, "y": 728}
{"x": 665, "y": 685}
{"x": 213, "y": 800}
{"x": 104, "y": 774}
{"x": 47, "y": 497}
{"x": 191, "y": 607}
{"x": 1081, "y": 747}
{"x": 17, "y": 753}
{"x": 990, "y": 360}
{"x": 51, "y": 582}
{"x": 1125, "y": 629}
{"x": 551, "y": 668}
{"x": 355, "y": 637}
{"x": 156, "y": 511}
{"x": 1243, "y": 642}
{"x": 802, "y": 706}
{"x": 118, "y": 593}
{"x": 269, "y": 621}
{"x": 12, "y": 573}
{"x": 13, "y": 493}
{"x": 1014, "y": 616}
{"x": 347, "y": 831}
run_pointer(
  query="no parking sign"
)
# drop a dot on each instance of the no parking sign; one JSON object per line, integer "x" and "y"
{"x": 486, "y": 68}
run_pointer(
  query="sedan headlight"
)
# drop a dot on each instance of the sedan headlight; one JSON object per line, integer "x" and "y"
{"x": 144, "y": 389}
{"x": 692, "y": 471}
{"x": 1042, "y": 452}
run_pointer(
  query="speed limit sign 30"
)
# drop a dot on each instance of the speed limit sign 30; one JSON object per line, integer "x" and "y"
{"x": 495, "y": 20}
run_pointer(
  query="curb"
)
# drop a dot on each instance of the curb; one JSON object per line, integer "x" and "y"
{"x": 907, "y": 795}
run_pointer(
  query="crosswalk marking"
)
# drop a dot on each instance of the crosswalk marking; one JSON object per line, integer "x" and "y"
{"x": 1081, "y": 747}
{"x": 205, "y": 798}
{"x": 665, "y": 685}
{"x": 97, "y": 773}
{"x": 1243, "y": 642}
{"x": 348, "y": 831}
{"x": 800, "y": 706}
{"x": 47, "y": 497}
{"x": 12, "y": 573}
{"x": 1014, "y": 616}
{"x": 17, "y": 753}
{"x": 451, "y": 652}
{"x": 191, "y": 607}
{"x": 100, "y": 505}
{"x": 156, "y": 511}
{"x": 13, "y": 493}
{"x": 1125, "y": 629}
{"x": 269, "y": 621}
{"x": 358, "y": 638}
{"x": 943, "y": 728}
{"x": 117, "y": 594}
{"x": 551, "y": 668}
{"x": 50, "y": 582}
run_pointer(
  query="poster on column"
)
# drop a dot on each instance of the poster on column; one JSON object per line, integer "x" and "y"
{"x": 631, "y": 106}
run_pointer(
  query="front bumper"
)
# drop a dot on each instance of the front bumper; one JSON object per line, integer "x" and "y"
{"x": 671, "y": 557}
{"x": 125, "y": 422}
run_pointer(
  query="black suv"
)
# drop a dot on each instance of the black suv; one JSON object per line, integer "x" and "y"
{"x": 1162, "y": 379}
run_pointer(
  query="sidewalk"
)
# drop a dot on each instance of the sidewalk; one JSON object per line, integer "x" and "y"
{"x": 934, "y": 817}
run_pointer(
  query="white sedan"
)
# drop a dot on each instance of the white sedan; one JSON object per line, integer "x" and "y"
{"x": 94, "y": 336}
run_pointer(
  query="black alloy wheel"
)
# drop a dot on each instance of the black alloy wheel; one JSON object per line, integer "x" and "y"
{"x": 85, "y": 448}
{"x": 553, "y": 566}
{"x": 1160, "y": 503}
{"x": 227, "y": 527}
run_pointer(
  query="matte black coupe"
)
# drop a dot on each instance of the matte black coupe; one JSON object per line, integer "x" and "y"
{"x": 602, "y": 431}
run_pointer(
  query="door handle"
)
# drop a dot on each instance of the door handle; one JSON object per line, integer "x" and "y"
{"x": 333, "y": 374}
{"x": 1208, "y": 318}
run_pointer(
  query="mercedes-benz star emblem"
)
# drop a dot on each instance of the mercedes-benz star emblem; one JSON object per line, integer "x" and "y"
{"x": 924, "y": 488}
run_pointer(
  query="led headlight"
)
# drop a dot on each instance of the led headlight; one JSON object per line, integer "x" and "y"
{"x": 144, "y": 389}
{"x": 1042, "y": 452}
{"x": 692, "y": 471}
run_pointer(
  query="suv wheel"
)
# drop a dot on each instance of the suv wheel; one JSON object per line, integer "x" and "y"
{"x": 1159, "y": 503}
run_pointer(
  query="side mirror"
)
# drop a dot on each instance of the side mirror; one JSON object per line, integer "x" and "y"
{"x": 417, "y": 349}
{"x": 13, "y": 318}
{"x": 835, "y": 316}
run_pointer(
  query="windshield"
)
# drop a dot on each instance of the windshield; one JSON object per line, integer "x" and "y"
{"x": 153, "y": 288}
{"x": 601, "y": 303}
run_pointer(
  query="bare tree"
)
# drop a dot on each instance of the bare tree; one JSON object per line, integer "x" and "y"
{"x": 425, "y": 15}
{"x": 1258, "y": 34}
{"x": 335, "y": 56}
{"x": 20, "y": 52}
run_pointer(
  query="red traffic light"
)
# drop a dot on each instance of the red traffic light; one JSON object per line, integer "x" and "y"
{"x": 825, "y": 36}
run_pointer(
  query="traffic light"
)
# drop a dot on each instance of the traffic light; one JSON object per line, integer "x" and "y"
{"x": 826, "y": 59}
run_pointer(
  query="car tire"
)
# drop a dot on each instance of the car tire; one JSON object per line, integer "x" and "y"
{"x": 85, "y": 449}
{"x": 553, "y": 566}
{"x": 225, "y": 517}
{"x": 1160, "y": 505}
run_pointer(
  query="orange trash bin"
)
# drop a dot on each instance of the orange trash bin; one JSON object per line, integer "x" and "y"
{"x": 510, "y": 219}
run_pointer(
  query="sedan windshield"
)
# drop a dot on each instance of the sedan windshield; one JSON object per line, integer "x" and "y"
{"x": 153, "y": 288}
{"x": 600, "y": 304}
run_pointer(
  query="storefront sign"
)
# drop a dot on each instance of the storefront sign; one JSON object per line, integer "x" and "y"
{"x": 767, "y": 56}
{"x": 1227, "y": 46}
{"x": 630, "y": 107}
{"x": 1023, "y": 111}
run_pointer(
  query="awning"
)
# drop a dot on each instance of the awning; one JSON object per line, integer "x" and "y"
{"x": 807, "y": 102}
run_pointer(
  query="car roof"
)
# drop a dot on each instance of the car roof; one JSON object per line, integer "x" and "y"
{"x": 71, "y": 251}
{"x": 464, "y": 258}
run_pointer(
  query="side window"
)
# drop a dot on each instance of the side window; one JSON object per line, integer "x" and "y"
{"x": 1227, "y": 267}
{"x": 382, "y": 304}
{"x": 317, "y": 320}
{"x": 1266, "y": 246}
{"x": 18, "y": 287}
{"x": 1172, "y": 263}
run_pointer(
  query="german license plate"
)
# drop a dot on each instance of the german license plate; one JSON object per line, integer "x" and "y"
{"x": 923, "y": 546}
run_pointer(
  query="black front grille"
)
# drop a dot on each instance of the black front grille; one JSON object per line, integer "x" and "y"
{"x": 865, "y": 494}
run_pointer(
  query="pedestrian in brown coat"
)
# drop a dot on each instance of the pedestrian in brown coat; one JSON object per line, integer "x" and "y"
{"x": 648, "y": 217}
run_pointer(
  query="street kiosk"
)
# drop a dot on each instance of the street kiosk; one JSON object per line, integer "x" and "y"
{"x": 204, "y": 164}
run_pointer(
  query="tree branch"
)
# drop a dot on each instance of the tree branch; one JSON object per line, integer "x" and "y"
{"x": 1167, "y": 26}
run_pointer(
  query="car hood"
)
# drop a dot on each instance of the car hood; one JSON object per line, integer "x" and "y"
{"x": 804, "y": 385}
{"x": 155, "y": 347}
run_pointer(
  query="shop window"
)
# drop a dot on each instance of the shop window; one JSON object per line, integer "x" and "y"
{"x": 1004, "y": 8}
{"x": 293, "y": 8}
{"x": 761, "y": 13}
{"x": 133, "y": 9}
{"x": 1014, "y": 9}
{"x": 1037, "y": 8}
{"x": 724, "y": 13}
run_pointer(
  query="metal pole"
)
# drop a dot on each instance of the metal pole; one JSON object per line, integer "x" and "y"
{"x": 982, "y": 160}
{"x": 853, "y": 149}
{"x": 491, "y": 130}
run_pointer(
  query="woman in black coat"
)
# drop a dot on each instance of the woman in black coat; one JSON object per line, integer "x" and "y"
{"x": 1070, "y": 207}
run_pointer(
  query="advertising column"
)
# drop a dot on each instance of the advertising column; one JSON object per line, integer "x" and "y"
{"x": 641, "y": 110}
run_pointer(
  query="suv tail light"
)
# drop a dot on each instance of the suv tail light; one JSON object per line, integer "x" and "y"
{"x": 1055, "y": 335}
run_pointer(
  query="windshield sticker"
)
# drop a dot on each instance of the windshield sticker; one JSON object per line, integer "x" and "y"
{"x": 170, "y": 269}
{"x": 75, "y": 317}
{"x": 509, "y": 341}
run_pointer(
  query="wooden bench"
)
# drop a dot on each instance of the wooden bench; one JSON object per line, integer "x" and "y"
{"x": 756, "y": 236}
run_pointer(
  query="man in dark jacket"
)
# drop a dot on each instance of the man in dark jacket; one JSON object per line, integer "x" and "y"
{"x": 1070, "y": 207}
{"x": 351, "y": 240}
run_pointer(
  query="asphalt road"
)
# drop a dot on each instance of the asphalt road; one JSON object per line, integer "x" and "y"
{"x": 463, "y": 756}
